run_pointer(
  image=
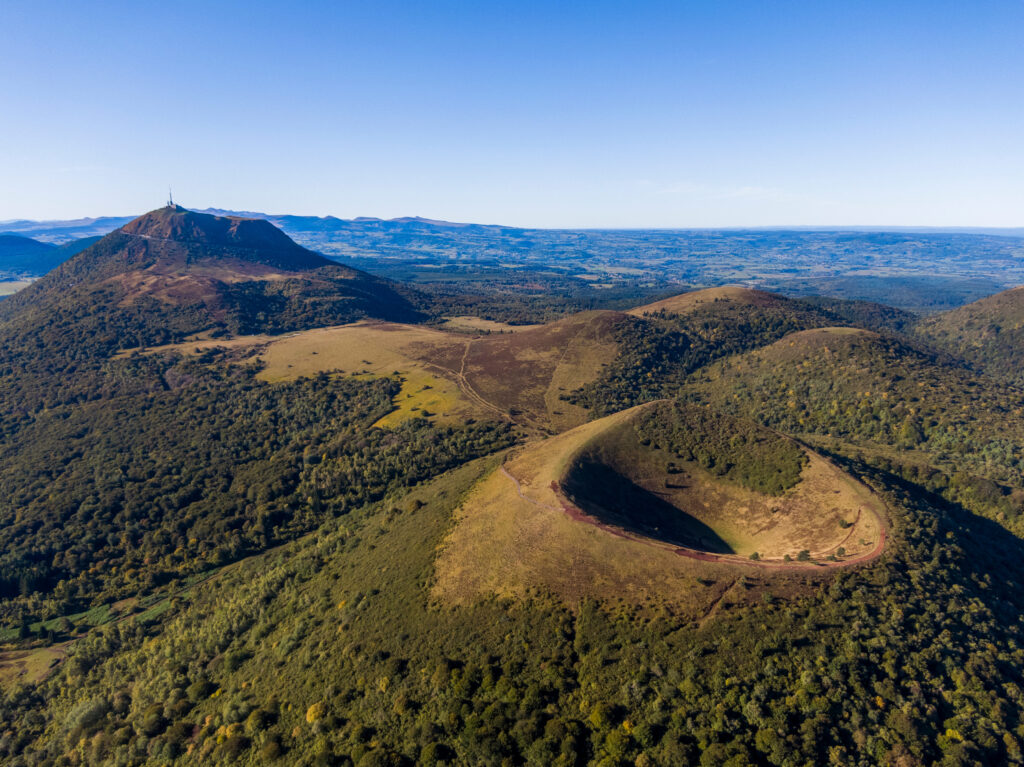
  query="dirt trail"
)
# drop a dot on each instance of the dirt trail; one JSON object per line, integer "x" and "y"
{"x": 459, "y": 377}
{"x": 713, "y": 607}
{"x": 462, "y": 381}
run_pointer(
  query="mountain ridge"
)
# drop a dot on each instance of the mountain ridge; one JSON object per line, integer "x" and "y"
{"x": 172, "y": 272}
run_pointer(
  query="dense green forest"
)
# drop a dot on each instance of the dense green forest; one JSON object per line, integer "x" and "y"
{"x": 727, "y": 447}
{"x": 876, "y": 396}
{"x": 330, "y": 652}
{"x": 119, "y": 496}
{"x": 201, "y": 567}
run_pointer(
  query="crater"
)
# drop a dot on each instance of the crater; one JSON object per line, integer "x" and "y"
{"x": 615, "y": 499}
{"x": 702, "y": 481}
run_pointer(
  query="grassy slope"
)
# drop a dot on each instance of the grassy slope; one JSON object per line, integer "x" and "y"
{"x": 687, "y": 303}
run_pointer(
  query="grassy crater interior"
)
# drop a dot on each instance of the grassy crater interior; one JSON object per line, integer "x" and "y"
{"x": 690, "y": 477}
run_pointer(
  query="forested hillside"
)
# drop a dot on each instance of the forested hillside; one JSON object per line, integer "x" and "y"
{"x": 665, "y": 346}
{"x": 928, "y": 419}
{"x": 204, "y": 563}
{"x": 989, "y": 334}
{"x": 330, "y": 652}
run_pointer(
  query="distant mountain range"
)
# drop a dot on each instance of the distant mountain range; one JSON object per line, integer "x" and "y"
{"x": 23, "y": 257}
{"x": 61, "y": 231}
{"x": 58, "y": 231}
{"x": 918, "y": 269}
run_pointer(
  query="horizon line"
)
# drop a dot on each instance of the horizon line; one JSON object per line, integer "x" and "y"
{"x": 953, "y": 228}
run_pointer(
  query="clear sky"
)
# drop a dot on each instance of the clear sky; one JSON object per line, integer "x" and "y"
{"x": 555, "y": 113}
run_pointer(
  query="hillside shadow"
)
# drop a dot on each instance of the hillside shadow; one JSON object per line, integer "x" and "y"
{"x": 615, "y": 499}
{"x": 982, "y": 555}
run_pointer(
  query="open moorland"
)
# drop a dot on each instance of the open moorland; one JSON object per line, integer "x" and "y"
{"x": 520, "y": 377}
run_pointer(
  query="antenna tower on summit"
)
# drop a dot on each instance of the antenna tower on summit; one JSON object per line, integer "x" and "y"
{"x": 170, "y": 198}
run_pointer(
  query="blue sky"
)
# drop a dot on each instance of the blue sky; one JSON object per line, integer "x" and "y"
{"x": 596, "y": 114}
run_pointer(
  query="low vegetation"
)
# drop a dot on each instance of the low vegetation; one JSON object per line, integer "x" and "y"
{"x": 328, "y": 652}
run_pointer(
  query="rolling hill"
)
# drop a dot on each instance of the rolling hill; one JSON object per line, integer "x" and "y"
{"x": 550, "y": 377}
{"x": 687, "y": 303}
{"x": 725, "y": 528}
{"x": 867, "y": 396}
{"x": 988, "y": 333}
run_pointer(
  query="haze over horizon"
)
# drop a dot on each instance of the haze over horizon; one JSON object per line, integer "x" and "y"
{"x": 734, "y": 114}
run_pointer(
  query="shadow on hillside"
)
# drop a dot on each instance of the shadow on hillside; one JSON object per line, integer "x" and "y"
{"x": 989, "y": 559}
{"x": 614, "y": 499}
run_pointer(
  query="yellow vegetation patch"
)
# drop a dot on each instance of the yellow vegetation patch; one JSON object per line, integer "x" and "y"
{"x": 378, "y": 349}
{"x": 201, "y": 342}
{"x": 316, "y": 712}
{"x": 422, "y": 396}
{"x": 375, "y": 349}
{"x": 29, "y": 666}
